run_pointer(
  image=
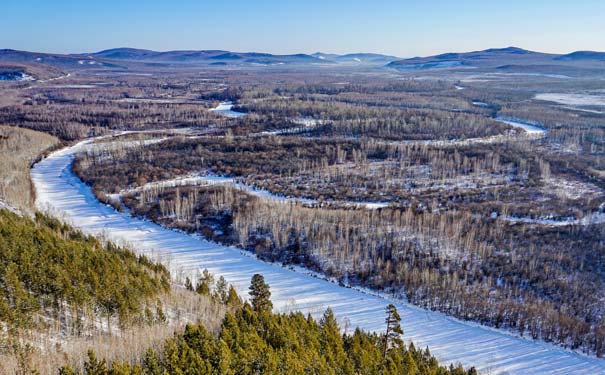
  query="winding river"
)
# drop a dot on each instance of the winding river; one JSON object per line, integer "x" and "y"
{"x": 61, "y": 193}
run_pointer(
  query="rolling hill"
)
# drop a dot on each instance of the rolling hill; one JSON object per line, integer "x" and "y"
{"x": 509, "y": 58}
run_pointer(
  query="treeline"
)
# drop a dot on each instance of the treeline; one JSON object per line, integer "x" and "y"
{"x": 393, "y": 123}
{"x": 48, "y": 267}
{"x": 252, "y": 340}
{"x": 70, "y": 121}
{"x": 323, "y": 169}
{"x": 112, "y": 170}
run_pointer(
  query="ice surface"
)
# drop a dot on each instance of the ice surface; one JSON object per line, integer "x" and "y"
{"x": 492, "y": 351}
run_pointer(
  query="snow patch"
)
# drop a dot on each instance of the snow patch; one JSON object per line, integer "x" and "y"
{"x": 530, "y": 129}
{"x": 573, "y": 99}
{"x": 225, "y": 109}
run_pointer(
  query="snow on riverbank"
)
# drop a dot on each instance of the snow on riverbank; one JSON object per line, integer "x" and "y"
{"x": 225, "y": 109}
{"x": 492, "y": 351}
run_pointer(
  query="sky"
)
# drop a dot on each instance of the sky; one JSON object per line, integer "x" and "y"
{"x": 404, "y": 28}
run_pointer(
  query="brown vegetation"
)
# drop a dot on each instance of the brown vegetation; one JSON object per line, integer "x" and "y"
{"x": 19, "y": 149}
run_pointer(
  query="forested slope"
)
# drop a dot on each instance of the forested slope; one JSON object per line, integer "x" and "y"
{"x": 47, "y": 266}
{"x": 252, "y": 340}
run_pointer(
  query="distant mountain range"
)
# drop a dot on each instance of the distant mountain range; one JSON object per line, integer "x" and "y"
{"x": 205, "y": 57}
{"x": 505, "y": 58}
{"x": 508, "y": 59}
{"x": 117, "y": 57}
{"x": 227, "y": 57}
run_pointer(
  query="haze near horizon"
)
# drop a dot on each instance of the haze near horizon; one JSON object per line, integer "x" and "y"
{"x": 403, "y": 29}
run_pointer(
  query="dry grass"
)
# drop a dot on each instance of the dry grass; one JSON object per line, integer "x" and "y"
{"x": 19, "y": 148}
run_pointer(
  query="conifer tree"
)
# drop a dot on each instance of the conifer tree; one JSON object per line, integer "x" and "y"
{"x": 203, "y": 288}
{"x": 221, "y": 289}
{"x": 259, "y": 291}
{"x": 233, "y": 299}
{"x": 205, "y": 283}
{"x": 95, "y": 367}
{"x": 393, "y": 333}
{"x": 152, "y": 363}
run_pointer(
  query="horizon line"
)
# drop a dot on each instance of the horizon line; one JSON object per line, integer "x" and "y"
{"x": 293, "y": 53}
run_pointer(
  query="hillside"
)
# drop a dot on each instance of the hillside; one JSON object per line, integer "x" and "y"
{"x": 253, "y": 340}
{"x": 19, "y": 148}
{"x": 123, "y": 58}
{"x": 496, "y": 57}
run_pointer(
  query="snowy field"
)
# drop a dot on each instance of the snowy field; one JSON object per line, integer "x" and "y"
{"x": 532, "y": 130}
{"x": 573, "y": 99}
{"x": 492, "y": 351}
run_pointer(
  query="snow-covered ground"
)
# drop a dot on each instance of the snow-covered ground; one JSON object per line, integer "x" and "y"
{"x": 530, "y": 129}
{"x": 492, "y": 351}
{"x": 69, "y": 86}
{"x": 573, "y": 99}
{"x": 225, "y": 109}
{"x": 547, "y": 75}
{"x": 590, "y": 219}
{"x": 306, "y": 124}
{"x": 6, "y": 206}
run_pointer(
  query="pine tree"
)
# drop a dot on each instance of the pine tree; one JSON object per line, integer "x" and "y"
{"x": 205, "y": 283}
{"x": 409, "y": 365}
{"x": 152, "y": 363}
{"x": 95, "y": 367}
{"x": 66, "y": 370}
{"x": 259, "y": 291}
{"x": 221, "y": 289}
{"x": 202, "y": 288}
{"x": 393, "y": 333}
{"x": 159, "y": 312}
{"x": 233, "y": 299}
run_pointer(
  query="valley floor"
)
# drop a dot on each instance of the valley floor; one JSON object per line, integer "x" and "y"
{"x": 61, "y": 193}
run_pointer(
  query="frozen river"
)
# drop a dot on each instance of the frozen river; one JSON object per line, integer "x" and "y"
{"x": 491, "y": 351}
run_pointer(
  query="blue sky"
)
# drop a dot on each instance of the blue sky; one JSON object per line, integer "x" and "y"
{"x": 404, "y": 28}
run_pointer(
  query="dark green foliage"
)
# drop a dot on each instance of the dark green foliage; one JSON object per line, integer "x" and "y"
{"x": 393, "y": 333}
{"x": 233, "y": 300}
{"x": 259, "y": 291}
{"x": 205, "y": 283}
{"x": 253, "y": 343}
{"x": 45, "y": 264}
